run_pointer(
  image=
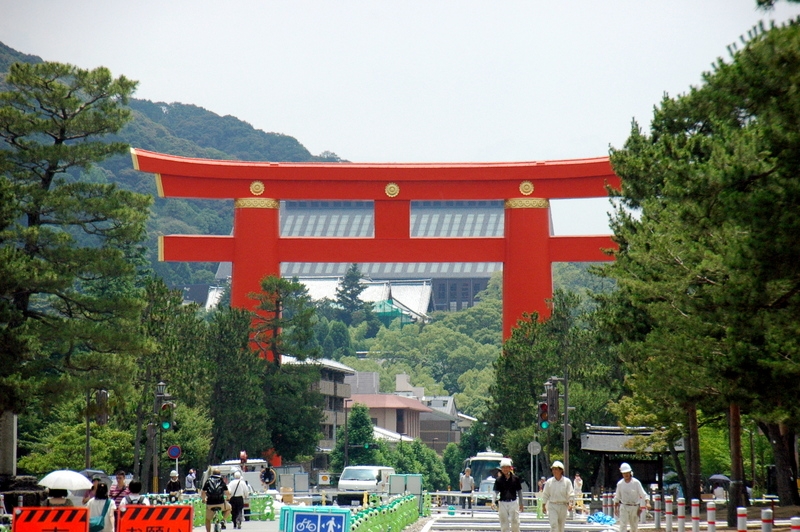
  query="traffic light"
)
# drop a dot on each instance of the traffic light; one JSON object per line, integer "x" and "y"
{"x": 167, "y": 416}
{"x": 544, "y": 416}
{"x": 366, "y": 446}
{"x": 552, "y": 401}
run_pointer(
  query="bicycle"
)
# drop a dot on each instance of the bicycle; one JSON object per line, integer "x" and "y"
{"x": 218, "y": 521}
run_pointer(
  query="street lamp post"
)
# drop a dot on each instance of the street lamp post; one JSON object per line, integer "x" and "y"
{"x": 346, "y": 434}
{"x": 160, "y": 395}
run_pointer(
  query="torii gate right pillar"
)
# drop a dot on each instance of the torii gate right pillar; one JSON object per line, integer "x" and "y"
{"x": 527, "y": 267}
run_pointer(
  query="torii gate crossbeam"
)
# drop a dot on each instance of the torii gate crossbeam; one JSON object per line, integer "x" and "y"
{"x": 256, "y": 249}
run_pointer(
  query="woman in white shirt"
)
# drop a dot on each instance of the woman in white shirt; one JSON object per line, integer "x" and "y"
{"x": 97, "y": 504}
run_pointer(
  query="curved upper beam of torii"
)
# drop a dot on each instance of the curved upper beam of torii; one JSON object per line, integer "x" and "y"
{"x": 256, "y": 249}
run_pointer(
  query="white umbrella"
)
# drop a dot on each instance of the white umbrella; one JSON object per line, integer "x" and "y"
{"x": 64, "y": 479}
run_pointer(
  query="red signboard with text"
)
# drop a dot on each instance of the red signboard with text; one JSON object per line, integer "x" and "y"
{"x": 172, "y": 518}
{"x": 51, "y": 519}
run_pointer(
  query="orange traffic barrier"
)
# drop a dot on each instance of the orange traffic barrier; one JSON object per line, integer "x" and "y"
{"x": 50, "y": 519}
{"x": 135, "y": 518}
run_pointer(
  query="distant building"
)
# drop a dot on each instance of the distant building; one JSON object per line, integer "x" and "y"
{"x": 392, "y": 412}
{"x": 440, "y": 426}
{"x": 334, "y": 389}
{"x": 453, "y": 285}
{"x": 207, "y": 296}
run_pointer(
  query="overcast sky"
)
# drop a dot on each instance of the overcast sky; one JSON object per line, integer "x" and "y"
{"x": 406, "y": 81}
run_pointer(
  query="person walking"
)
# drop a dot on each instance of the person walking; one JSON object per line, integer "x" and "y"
{"x": 118, "y": 490}
{"x": 57, "y": 497}
{"x": 239, "y": 491}
{"x": 508, "y": 495}
{"x": 558, "y": 497}
{"x": 189, "y": 487}
{"x": 135, "y": 496}
{"x": 629, "y": 499}
{"x": 91, "y": 491}
{"x": 101, "y": 506}
{"x": 577, "y": 483}
{"x": 213, "y": 496}
{"x": 467, "y": 486}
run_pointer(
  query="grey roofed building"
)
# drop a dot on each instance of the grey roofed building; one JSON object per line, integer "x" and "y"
{"x": 613, "y": 445}
{"x": 440, "y": 427}
{"x": 412, "y": 297}
{"x": 601, "y": 439}
{"x": 454, "y": 285}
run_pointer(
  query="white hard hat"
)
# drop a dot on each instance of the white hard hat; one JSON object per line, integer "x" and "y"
{"x": 558, "y": 465}
{"x": 625, "y": 467}
{"x": 173, "y": 473}
{"x": 505, "y": 462}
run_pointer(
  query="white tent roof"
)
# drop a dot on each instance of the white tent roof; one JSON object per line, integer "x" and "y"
{"x": 412, "y": 295}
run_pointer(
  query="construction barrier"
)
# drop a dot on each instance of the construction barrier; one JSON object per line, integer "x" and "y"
{"x": 172, "y": 517}
{"x": 51, "y": 519}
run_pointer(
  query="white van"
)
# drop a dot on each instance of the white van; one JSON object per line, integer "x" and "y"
{"x": 251, "y": 473}
{"x": 355, "y": 480}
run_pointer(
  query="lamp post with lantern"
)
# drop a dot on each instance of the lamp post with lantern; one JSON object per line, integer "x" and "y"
{"x": 161, "y": 398}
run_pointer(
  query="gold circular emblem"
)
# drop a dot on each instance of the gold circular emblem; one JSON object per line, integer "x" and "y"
{"x": 256, "y": 188}
{"x": 526, "y": 188}
{"x": 392, "y": 190}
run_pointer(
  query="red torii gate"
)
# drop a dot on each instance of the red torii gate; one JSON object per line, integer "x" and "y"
{"x": 256, "y": 248}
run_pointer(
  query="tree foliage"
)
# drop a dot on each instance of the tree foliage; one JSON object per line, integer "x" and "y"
{"x": 69, "y": 245}
{"x": 708, "y": 269}
{"x": 537, "y": 351}
{"x": 284, "y": 321}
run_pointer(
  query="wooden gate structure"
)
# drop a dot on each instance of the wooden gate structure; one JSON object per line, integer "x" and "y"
{"x": 256, "y": 249}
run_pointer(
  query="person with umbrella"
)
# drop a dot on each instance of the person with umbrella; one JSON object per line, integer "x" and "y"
{"x": 91, "y": 491}
{"x": 58, "y": 482}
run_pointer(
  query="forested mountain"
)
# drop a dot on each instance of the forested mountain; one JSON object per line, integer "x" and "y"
{"x": 189, "y": 131}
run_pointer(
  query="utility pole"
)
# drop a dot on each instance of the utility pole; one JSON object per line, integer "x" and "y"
{"x": 551, "y": 388}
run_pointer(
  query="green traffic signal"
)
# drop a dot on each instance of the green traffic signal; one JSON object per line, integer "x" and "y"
{"x": 167, "y": 416}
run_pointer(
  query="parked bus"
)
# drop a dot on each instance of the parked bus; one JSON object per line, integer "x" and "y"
{"x": 484, "y": 465}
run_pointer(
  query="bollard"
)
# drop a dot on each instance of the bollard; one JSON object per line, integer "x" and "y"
{"x": 741, "y": 519}
{"x": 681, "y": 514}
{"x": 657, "y": 510}
{"x": 766, "y": 520}
{"x": 695, "y": 515}
{"x": 795, "y": 524}
{"x": 668, "y": 513}
{"x": 711, "y": 516}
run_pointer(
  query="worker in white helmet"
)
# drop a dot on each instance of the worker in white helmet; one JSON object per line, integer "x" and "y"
{"x": 629, "y": 499}
{"x": 558, "y": 497}
{"x": 507, "y": 497}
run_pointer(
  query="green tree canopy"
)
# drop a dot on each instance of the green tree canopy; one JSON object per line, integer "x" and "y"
{"x": 708, "y": 268}
{"x": 70, "y": 302}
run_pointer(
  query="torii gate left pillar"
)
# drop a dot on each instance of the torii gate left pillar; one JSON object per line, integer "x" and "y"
{"x": 256, "y": 248}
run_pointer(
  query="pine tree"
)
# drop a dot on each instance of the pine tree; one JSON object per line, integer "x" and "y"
{"x": 348, "y": 295}
{"x": 68, "y": 247}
